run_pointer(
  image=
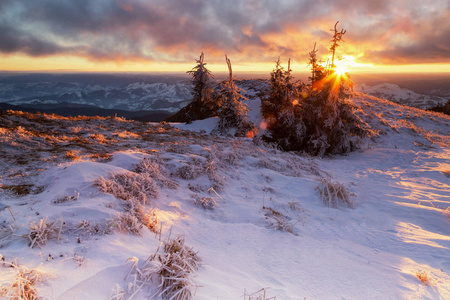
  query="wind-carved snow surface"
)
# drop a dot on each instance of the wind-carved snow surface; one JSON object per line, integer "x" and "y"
{"x": 401, "y": 95}
{"x": 269, "y": 228}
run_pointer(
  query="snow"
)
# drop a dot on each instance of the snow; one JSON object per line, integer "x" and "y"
{"x": 398, "y": 228}
{"x": 401, "y": 95}
{"x": 206, "y": 125}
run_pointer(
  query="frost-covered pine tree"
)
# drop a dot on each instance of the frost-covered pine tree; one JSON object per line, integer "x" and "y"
{"x": 279, "y": 108}
{"x": 317, "y": 70}
{"x": 273, "y": 103}
{"x": 203, "y": 104}
{"x": 318, "y": 120}
{"x": 232, "y": 112}
{"x": 201, "y": 81}
{"x": 337, "y": 37}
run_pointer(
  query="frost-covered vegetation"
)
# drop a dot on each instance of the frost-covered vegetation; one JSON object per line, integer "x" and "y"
{"x": 237, "y": 202}
{"x": 82, "y": 198}
{"x": 314, "y": 118}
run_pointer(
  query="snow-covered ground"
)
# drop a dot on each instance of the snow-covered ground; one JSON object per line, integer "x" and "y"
{"x": 265, "y": 225}
{"x": 401, "y": 95}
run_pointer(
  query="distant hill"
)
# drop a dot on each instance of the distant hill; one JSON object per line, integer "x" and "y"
{"x": 106, "y": 91}
{"x": 69, "y": 110}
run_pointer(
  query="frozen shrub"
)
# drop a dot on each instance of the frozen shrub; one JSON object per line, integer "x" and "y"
{"x": 190, "y": 171}
{"x": 40, "y": 233}
{"x": 135, "y": 190}
{"x": 334, "y": 193}
{"x": 24, "y": 285}
{"x": 157, "y": 172}
{"x": 178, "y": 263}
{"x": 127, "y": 222}
{"x": 172, "y": 269}
{"x": 129, "y": 185}
{"x": 205, "y": 202}
{"x": 278, "y": 221}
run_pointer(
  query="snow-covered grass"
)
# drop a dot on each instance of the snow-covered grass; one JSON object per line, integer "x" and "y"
{"x": 334, "y": 193}
{"x": 24, "y": 284}
{"x": 41, "y": 232}
{"x": 268, "y": 232}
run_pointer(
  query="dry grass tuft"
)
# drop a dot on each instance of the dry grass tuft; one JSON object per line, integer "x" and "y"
{"x": 129, "y": 185}
{"x": 258, "y": 295}
{"x": 127, "y": 222}
{"x": 40, "y": 233}
{"x": 278, "y": 221}
{"x": 23, "y": 286}
{"x": 172, "y": 269}
{"x": 334, "y": 193}
{"x": 423, "y": 277}
{"x": 157, "y": 172}
{"x": 178, "y": 263}
{"x": 136, "y": 191}
{"x": 205, "y": 202}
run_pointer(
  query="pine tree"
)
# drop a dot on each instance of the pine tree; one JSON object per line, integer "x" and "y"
{"x": 317, "y": 70}
{"x": 232, "y": 112}
{"x": 337, "y": 37}
{"x": 320, "y": 120}
{"x": 280, "y": 109}
{"x": 272, "y": 104}
{"x": 201, "y": 80}
{"x": 203, "y": 104}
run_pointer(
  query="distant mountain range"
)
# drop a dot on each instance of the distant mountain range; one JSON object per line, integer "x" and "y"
{"x": 144, "y": 97}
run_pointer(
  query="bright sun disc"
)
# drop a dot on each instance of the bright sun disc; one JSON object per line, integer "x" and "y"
{"x": 340, "y": 70}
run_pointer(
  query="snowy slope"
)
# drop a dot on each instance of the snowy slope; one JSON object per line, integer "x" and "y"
{"x": 398, "y": 228}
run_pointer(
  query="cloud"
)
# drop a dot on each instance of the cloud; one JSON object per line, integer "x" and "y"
{"x": 389, "y": 32}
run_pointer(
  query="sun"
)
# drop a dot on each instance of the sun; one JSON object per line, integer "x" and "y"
{"x": 340, "y": 70}
{"x": 343, "y": 65}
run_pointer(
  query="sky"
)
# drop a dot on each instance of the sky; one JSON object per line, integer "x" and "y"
{"x": 168, "y": 35}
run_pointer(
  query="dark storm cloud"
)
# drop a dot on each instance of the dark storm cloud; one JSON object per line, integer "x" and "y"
{"x": 253, "y": 30}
